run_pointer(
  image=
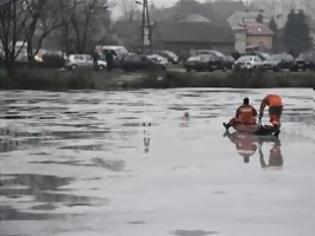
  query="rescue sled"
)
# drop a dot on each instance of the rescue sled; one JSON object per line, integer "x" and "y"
{"x": 256, "y": 129}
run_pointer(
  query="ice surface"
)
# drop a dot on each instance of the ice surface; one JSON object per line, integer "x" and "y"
{"x": 130, "y": 164}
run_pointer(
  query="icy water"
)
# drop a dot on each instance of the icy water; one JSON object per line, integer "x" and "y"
{"x": 129, "y": 164}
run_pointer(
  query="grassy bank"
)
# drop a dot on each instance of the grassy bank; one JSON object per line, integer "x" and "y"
{"x": 37, "y": 79}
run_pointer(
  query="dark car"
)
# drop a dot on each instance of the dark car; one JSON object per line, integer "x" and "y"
{"x": 305, "y": 61}
{"x": 197, "y": 63}
{"x": 134, "y": 62}
{"x": 208, "y": 62}
{"x": 229, "y": 62}
{"x": 278, "y": 62}
{"x": 217, "y": 62}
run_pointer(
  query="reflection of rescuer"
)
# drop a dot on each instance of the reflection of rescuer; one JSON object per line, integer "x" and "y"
{"x": 275, "y": 156}
{"x": 274, "y": 102}
{"x": 245, "y": 115}
{"x": 244, "y": 143}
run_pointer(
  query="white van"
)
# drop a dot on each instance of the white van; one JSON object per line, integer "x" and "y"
{"x": 117, "y": 51}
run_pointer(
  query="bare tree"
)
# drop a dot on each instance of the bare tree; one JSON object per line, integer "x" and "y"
{"x": 12, "y": 20}
{"x": 84, "y": 17}
{"x": 130, "y": 8}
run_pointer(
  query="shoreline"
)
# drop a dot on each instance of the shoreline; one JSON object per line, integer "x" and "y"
{"x": 62, "y": 80}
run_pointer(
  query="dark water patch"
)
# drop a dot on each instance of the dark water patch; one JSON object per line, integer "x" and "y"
{"x": 124, "y": 147}
{"x": 80, "y": 134}
{"x": 7, "y": 214}
{"x": 136, "y": 104}
{"x": 92, "y": 147}
{"x": 137, "y": 222}
{"x": 17, "y": 134}
{"x": 115, "y": 166}
{"x": 71, "y": 163}
{"x": 193, "y": 95}
{"x": 128, "y": 118}
{"x": 220, "y": 192}
{"x": 203, "y": 108}
{"x": 222, "y": 91}
{"x": 9, "y": 145}
{"x": 193, "y": 232}
{"x": 299, "y": 97}
{"x": 44, "y": 207}
{"x": 15, "y": 117}
{"x": 137, "y": 124}
{"x": 40, "y": 153}
{"x": 178, "y": 108}
{"x": 299, "y": 110}
{"x": 87, "y": 101}
{"x": 34, "y": 182}
{"x": 44, "y": 189}
{"x": 47, "y": 117}
{"x": 210, "y": 116}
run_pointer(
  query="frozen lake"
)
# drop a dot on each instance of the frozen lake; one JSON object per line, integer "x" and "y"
{"x": 94, "y": 163}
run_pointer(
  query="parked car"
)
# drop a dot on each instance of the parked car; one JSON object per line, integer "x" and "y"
{"x": 305, "y": 61}
{"x": 76, "y": 61}
{"x": 248, "y": 63}
{"x": 229, "y": 62}
{"x": 158, "y": 59}
{"x": 170, "y": 56}
{"x": 117, "y": 51}
{"x": 133, "y": 62}
{"x": 217, "y": 62}
{"x": 208, "y": 62}
{"x": 277, "y": 62}
{"x": 197, "y": 63}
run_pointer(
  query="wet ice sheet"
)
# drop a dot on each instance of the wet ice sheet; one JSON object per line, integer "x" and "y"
{"x": 128, "y": 163}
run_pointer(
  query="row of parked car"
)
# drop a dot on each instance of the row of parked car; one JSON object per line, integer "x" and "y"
{"x": 262, "y": 61}
{"x": 202, "y": 60}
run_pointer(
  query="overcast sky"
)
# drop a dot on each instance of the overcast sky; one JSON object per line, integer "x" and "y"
{"x": 167, "y": 2}
{"x": 116, "y": 12}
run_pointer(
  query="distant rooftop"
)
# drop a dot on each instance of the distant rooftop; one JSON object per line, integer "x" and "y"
{"x": 196, "y": 18}
{"x": 240, "y": 17}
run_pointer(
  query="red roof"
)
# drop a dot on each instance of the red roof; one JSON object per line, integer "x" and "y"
{"x": 258, "y": 29}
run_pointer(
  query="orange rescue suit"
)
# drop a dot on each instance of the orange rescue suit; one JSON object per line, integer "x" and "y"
{"x": 274, "y": 102}
{"x": 246, "y": 114}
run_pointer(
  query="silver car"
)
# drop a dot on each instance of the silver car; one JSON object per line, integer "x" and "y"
{"x": 76, "y": 61}
{"x": 248, "y": 63}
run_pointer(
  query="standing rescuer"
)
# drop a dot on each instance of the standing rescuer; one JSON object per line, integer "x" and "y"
{"x": 274, "y": 102}
{"x": 245, "y": 115}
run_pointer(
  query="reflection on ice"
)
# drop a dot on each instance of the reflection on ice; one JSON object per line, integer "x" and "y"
{"x": 46, "y": 193}
{"x": 246, "y": 146}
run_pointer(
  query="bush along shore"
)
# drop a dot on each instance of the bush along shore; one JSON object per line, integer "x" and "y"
{"x": 45, "y": 79}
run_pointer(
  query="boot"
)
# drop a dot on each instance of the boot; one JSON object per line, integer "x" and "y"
{"x": 227, "y": 126}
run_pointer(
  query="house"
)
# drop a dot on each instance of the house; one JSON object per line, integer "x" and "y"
{"x": 258, "y": 35}
{"x": 178, "y": 36}
{"x": 249, "y": 33}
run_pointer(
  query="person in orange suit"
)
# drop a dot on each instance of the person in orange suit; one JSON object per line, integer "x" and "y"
{"x": 245, "y": 115}
{"x": 274, "y": 102}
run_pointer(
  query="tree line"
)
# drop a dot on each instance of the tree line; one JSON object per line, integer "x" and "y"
{"x": 70, "y": 24}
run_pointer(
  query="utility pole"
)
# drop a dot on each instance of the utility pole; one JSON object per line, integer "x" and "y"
{"x": 146, "y": 32}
